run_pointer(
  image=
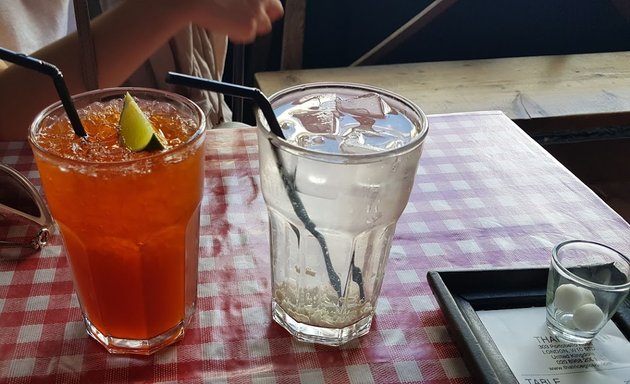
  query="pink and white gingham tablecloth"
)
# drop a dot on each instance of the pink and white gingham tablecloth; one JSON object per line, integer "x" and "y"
{"x": 485, "y": 196}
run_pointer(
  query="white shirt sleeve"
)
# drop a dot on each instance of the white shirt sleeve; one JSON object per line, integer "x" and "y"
{"x": 28, "y": 25}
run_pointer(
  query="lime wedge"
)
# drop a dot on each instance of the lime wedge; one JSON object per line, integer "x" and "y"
{"x": 136, "y": 130}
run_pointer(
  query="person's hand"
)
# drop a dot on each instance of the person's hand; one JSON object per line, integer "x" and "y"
{"x": 241, "y": 20}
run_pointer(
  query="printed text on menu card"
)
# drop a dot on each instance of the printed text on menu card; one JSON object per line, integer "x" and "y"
{"x": 537, "y": 357}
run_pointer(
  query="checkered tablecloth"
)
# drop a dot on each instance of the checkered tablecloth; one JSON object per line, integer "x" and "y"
{"x": 485, "y": 195}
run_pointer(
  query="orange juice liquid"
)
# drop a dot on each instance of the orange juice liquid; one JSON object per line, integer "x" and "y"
{"x": 129, "y": 221}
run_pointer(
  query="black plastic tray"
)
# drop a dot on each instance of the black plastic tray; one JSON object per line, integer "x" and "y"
{"x": 461, "y": 293}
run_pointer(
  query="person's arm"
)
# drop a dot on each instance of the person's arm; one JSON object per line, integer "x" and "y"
{"x": 124, "y": 38}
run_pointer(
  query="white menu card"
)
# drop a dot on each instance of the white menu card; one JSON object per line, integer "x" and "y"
{"x": 537, "y": 357}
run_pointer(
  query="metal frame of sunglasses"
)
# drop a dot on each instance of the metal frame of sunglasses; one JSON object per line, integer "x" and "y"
{"x": 25, "y": 222}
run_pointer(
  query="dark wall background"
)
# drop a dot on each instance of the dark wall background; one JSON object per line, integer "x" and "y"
{"x": 340, "y": 31}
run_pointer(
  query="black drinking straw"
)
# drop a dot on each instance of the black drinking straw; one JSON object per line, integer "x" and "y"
{"x": 231, "y": 89}
{"x": 289, "y": 180}
{"x": 57, "y": 78}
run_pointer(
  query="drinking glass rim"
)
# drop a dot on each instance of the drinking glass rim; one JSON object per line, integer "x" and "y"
{"x": 567, "y": 273}
{"x": 119, "y": 91}
{"x": 416, "y": 141}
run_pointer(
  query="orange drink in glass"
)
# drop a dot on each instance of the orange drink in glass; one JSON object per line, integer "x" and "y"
{"x": 129, "y": 220}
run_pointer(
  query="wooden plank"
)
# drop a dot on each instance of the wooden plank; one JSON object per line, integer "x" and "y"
{"x": 623, "y": 6}
{"x": 523, "y": 88}
{"x": 293, "y": 34}
{"x": 410, "y": 28}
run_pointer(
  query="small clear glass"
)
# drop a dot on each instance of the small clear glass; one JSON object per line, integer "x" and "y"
{"x": 587, "y": 283}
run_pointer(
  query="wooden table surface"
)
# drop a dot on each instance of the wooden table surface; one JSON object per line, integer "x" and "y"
{"x": 593, "y": 87}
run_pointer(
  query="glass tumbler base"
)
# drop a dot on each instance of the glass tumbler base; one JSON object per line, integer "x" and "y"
{"x": 133, "y": 346}
{"x": 573, "y": 337}
{"x": 320, "y": 335}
